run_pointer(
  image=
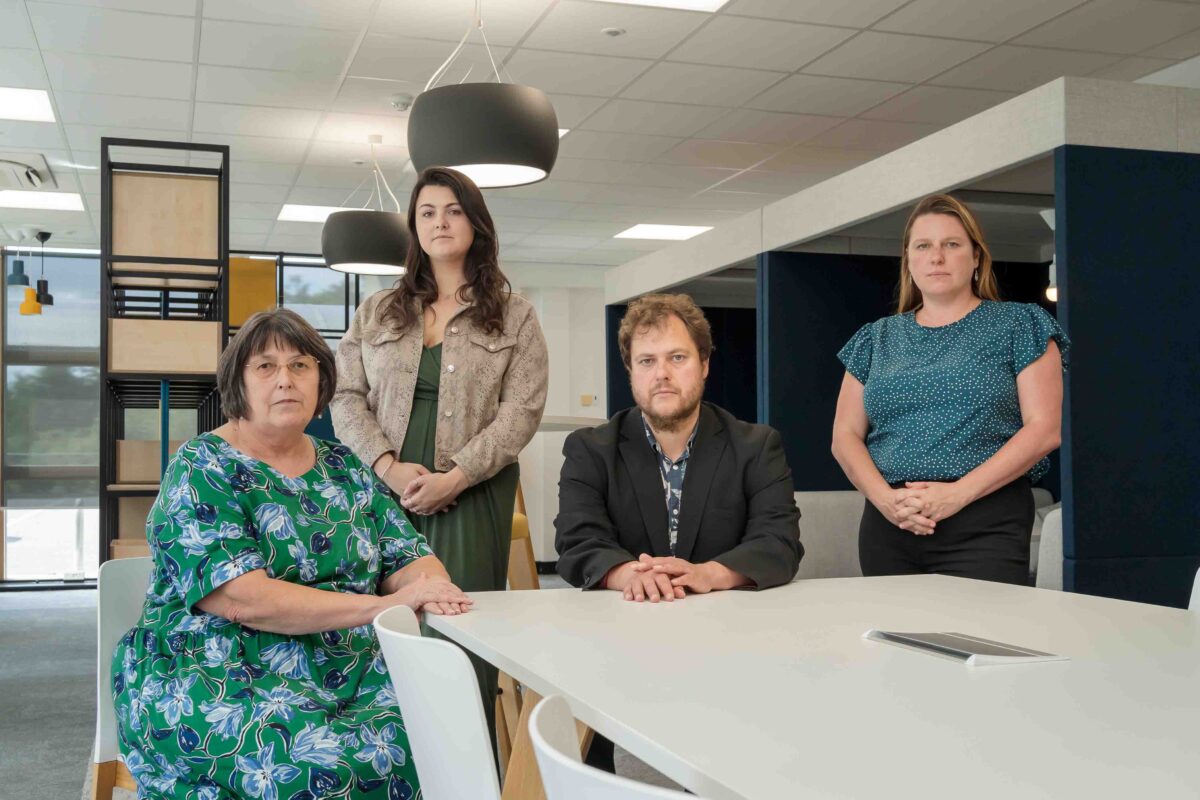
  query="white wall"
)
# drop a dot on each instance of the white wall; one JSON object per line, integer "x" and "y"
{"x": 573, "y": 323}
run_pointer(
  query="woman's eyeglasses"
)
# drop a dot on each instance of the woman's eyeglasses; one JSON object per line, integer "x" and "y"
{"x": 299, "y": 367}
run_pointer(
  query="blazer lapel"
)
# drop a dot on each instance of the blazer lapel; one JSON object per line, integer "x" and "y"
{"x": 639, "y": 460}
{"x": 701, "y": 469}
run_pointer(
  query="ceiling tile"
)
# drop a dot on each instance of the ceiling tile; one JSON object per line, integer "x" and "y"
{"x": 257, "y": 193}
{"x": 391, "y": 158}
{"x": 551, "y": 240}
{"x": 718, "y": 200}
{"x": 262, "y": 172}
{"x": 75, "y": 72}
{"x": 1181, "y": 47}
{"x": 299, "y": 245}
{"x": 776, "y": 183}
{"x": 30, "y": 134}
{"x": 179, "y": 8}
{"x": 355, "y": 128}
{"x": 721, "y": 86}
{"x": 112, "y": 33}
{"x": 1130, "y": 69}
{"x": 373, "y": 95}
{"x": 661, "y": 119}
{"x": 242, "y": 226}
{"x": 567, "y": 227}
{"x": 576, "y": 27}
{"x": 503, "y": 24}
{"x": 564, "y": 73}
{"x": 522, "y": 207}
{"x": 85, "y": 139}
{"x": 712, "y": 153}
{"x": 1116, "y": 26}
{"x": 857, "y": 14}
{"x": 573, "y": 109}
{"x": 342, "y": 15}
{"x": 813, "y": 94}
{"x": 347, "y": 177}
{"x": 517, "y": 224}
{"x": 673, "y": 176}
{"x": 759, "y": 43}
{"x": 400, "y": 58}
{"x": 603, "y": 258}
{"x": 244, "y": 44}
{"x": 326, "y": 196}
{"x": 260, "y": 87}
{"x": 14, "y": 26}
{"x": 254, "y": 120}
{"x": 936, "y": 104}
{"x": 748, "y": 125}
{"x": 866, "y": 134}
{"x": 657, "y": 197}
{"x": 254, "y": 210}
{"x": 258, "y": 148}
{"x": 592, "y": 170}
{"x": 818, "y": 161}
{"x": 22, "y": 69}
{"x": 986, "y": 22}
{"x": 1018, "y": 69}
{"x": 136, "y": 112}
{"x": 615, "y": 146}
{"x": 552, "y": 189}
{"x": 893, "y": 56}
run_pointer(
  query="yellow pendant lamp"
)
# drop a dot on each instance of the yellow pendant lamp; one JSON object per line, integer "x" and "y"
{"x": 31, "y": 305}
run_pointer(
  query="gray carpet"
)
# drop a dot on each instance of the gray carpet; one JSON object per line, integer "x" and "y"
{"x": 48, "y": 697}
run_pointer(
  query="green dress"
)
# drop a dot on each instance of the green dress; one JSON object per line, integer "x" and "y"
{"x": 208, "y": 709}
{"x": 471, "y": 538}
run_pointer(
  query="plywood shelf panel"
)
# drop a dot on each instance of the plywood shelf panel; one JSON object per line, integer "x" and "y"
{"x": 162, "y": 215}
{"x": 168, "y": 347}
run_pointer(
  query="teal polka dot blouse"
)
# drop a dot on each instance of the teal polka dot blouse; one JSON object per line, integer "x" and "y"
{"x": 941, "y": 401}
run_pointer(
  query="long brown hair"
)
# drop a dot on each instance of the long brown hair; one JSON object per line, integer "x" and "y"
{"x": 486, "y": 287}
{"x": 984, "y": 286}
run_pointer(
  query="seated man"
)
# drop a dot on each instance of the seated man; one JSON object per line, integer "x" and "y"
{"x": 674, "y": 495}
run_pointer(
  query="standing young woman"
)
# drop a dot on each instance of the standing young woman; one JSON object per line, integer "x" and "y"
{"x": 948, "y": 409}
{"x": 441, "y": 382}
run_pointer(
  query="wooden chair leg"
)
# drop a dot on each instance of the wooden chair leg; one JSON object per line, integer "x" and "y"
{"x": 503, "y": 741}
{"x": 104, "y": 776}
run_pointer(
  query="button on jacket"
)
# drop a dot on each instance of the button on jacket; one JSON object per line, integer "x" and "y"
{"x": 490, "y": 399}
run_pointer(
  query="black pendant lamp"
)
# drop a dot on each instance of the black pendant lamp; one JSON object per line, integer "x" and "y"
{"x": 365, "y": 242}
{"x": 43, "y": 286}
{"x": 497, "y": 134}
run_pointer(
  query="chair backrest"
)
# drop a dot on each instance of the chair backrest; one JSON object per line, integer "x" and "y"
{"x": 121, "y": 592}
{"x": 564, "y": 776}
{"x": 1050, "y": 552}
{"x": 1194, "y": 605}
{"x": 522, "y": 569}
{"x": 439, "y": 700}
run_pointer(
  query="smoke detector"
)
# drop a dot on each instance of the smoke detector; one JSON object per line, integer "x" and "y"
{"x": 402, "y": 102}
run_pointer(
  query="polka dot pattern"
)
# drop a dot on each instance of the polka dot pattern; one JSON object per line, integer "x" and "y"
{"x": 941, "y": 401}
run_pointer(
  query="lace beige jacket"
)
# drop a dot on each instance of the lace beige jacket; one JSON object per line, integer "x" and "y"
{"x": 490, "y": 399}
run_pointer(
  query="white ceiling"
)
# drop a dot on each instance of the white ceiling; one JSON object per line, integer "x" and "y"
{"x": 688, "y": 118}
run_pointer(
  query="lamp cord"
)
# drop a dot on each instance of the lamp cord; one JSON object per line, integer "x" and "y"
{"x": 477, "y": 23}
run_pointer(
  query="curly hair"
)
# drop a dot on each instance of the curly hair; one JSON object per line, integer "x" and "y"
{"x": 652, "y": 311}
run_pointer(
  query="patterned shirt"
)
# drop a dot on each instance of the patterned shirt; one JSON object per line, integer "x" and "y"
{"x": 672, "y": 473}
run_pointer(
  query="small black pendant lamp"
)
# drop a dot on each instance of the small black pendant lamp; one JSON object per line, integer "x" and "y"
{"x": 43, "y": 286}
{"x": 365, "y": 241}
{"x": 497, "y": 134}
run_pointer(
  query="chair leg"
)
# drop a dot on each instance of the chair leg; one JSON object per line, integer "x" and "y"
{"x": 104, "y": 776}
{"x": 503, "y": 742}
{"x": 510, "y": 700}
{"x": 522, "y": 780}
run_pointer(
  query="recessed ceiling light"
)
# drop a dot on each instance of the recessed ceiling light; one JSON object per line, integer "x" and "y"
{"x": 300, "y": 213}
{"x": 563, "y": 132}
{"x": 672, "y": 232}
{"x": 45, "y": 201}
{"x": 685, "y": 5}
{"x": 27, "y": 105}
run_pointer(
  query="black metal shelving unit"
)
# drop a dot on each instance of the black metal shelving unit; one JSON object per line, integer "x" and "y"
{"x": 151, "y": 291}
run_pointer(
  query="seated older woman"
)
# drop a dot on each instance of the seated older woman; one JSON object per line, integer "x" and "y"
{"x": 254, "y": 671}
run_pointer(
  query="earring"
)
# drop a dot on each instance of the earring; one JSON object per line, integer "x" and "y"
{"x": 977, "y": 274}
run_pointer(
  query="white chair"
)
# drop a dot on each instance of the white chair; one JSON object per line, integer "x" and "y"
{"x": 443, "y": 714}
{"x": 1050, "y": 552}
{"x": 1194, "y": 605}
{"x": 121, "y": 589}
{"x": 556, "y": 745}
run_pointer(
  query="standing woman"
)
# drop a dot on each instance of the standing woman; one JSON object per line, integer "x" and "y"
{"x": 948, "y": 410}
{"x": 441, "y": 383}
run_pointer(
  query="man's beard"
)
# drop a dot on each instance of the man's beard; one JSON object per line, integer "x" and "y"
{"x": 671, "y": 423}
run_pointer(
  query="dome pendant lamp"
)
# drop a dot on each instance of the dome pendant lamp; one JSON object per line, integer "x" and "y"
{"x": 364, "y": 241}
{"x": 497, "y": 134}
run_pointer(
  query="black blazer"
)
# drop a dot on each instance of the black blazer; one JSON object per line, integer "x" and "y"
{"x": 738, "y": 507}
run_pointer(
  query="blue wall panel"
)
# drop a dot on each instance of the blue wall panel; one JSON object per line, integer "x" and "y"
{"x": 1127, "y": 241}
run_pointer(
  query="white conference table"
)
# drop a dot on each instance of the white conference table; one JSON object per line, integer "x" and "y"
{"x": 770, "y": 695}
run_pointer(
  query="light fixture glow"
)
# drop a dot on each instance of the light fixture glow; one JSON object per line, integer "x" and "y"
{"x": 683, "y": 5}
{"x": 368, "y": 269}
{"x": 292, "y": 212}
{"x": 563, "y": 132}
{"x": 42, "y": 201}
{"x": 496, "y": 175}
{"x": 27, "y": 105}
{"x": 304, "y": 260}
{"x": 676, "y": 233}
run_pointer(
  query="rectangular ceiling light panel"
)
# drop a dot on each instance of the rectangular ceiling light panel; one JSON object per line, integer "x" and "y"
{"x": 44, "y": 201}
{"x": 682, "y": 5}
{"x": 26, "y": 105}
{"x": 671, "y": 232}
{"x": 298, "y": 213}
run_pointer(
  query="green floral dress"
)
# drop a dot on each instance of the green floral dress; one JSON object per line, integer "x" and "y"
{"x": 211, "y": 710}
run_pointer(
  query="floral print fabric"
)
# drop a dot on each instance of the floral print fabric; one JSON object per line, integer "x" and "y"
{"x": 208, "y": 709}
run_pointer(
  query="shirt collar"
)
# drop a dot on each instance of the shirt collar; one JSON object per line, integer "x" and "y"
{"x": 687, "y": 450}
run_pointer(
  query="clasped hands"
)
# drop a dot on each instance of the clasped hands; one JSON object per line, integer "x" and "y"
{"x": 920, "y": 505}
{"x": 421, "y": 491}
{"x": 662, "y": 578}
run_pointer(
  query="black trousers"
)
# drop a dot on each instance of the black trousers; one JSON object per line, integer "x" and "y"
{"x": 988, "y": 540}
